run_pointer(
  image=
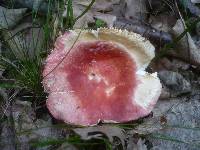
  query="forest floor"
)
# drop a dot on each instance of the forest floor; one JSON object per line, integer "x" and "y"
{"x": 28, "y": 30}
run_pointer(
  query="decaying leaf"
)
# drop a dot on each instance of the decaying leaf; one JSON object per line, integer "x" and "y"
{"x": 161, "y": 24}
{"x": 96, "y": 12}
{"x": 26, "y": 127}
{"x": 190, "y": 4}
{"x": 136, "y": 9}
{"x": 195, "y": 1}
{"x": 175, "y": 82}
{"x": 10, "y": 17}
{"x": 41, "y": 6}
{"x": 149, "y": 126}
{"x": 182, "y": 128}
{"x": 136, "y": 144}
{"x": 101, "y": 131}
{"x": 186, "y": 48}
{"x": 99, "y": 5}
{"x": 140, "y": 145}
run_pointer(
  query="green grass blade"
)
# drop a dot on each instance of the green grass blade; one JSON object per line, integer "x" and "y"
{"x": 8, "y": 85}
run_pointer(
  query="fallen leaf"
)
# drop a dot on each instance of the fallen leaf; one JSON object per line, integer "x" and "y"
{"x": 97, "y": 11}
{"x": 135, "y": 9}
{"x": 175, "y": 82}
{"x": 27, "y": 127}
{"x": 138, "y": 145}
{"x": 99, "y": 5}
{"x": 185, "y": 48}
{"x": 182, "y": 116}
{"x": 161, "y": 24}
{"x": 97, "y": 132}
{"x": 195, "y": 1}
{"x": 10, "y": 17}
{"x": 149, "y": 126}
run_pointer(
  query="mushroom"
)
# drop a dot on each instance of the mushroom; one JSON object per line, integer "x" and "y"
{"x": 99, "y": 75}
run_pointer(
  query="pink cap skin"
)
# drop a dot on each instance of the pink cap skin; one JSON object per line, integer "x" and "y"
{"x": 96, "y": 81}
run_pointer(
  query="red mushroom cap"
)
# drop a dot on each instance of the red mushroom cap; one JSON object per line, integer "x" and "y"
{"x": 99, "y": 75}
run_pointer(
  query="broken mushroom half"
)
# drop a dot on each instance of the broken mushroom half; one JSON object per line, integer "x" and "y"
{"x": 94, "y": 75}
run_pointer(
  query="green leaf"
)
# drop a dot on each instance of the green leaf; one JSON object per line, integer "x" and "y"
{"x": 100, "y": 23}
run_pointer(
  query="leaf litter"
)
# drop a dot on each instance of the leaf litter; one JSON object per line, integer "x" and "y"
{"x": 172, "y": 117}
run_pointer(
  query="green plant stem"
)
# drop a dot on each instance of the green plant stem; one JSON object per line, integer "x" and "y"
{"x": 70, "y": 15}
